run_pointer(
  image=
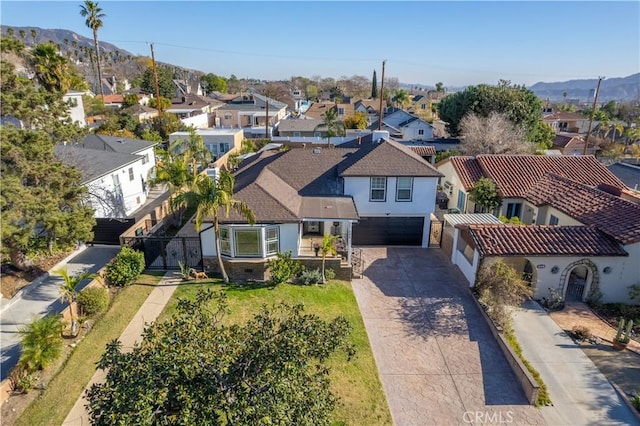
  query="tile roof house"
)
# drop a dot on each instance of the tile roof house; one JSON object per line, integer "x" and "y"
{"x": 194, "y": 110}
{"x": 572, "y": 144}
{"x": 115, "y": 171}
{"x": 376, "y": 194}
{"x": 581, "y": 235}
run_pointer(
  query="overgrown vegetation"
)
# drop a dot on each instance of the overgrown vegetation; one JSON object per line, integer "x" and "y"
{"x": 93, "y": 300}
{"x": 485, "y": 194}
{"x": 41, "y": 344}
{"x": 283, "y": 268}
{"x": 125, "y": 267}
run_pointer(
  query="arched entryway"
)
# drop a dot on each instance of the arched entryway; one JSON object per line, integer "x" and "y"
{"x": 527, "y": 273}
{"x": 580, "y": 279}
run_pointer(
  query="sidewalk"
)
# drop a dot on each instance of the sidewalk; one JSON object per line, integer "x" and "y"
{"x": 148, "y": 312}
{"x": 581, "y": 394}
{"x": 579, "y": 314}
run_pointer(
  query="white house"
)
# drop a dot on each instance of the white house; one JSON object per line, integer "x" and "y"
{"x": 76, "y": 107}
{"x": 377, "y": 194}
{"x": 114, "y": 170}
{"x": 403, "y": 126}
{"x": 218, "y": 141}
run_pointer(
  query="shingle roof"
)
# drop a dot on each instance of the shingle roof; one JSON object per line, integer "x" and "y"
{"x": 628, "y": 173}
{"x": 614, "y": 216}
{"x": 423, "y": 150}
{"x": 92, "y": 163}
{"x": 516, "y": 174}
{"x": 115, "y": 144}
{"x": 299, "y": 125}
{"x": 534, "y": 240}
{"x": 390, "y": 159}
{"x": 468, "y": 170}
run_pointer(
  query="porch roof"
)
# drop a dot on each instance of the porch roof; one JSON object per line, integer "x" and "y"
{"x": 341, "y": 208}
{"x": 467, "y": 219}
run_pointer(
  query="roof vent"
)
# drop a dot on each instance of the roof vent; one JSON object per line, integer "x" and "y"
{"x": 317, "y": 150}
{"x": 120, "y": 141}
{"x": 609, "y": 189}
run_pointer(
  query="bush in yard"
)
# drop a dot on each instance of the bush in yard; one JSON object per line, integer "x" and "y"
{"x": 25, "y": 383}
{"x": 41, "y": 343}
{"x": 329, "y": 274}
{"x": 93, "y": 300}
{"x": 580, "y": 332}
{"x": 283, "y": 268}
{"x": 125, "y": 267}
{"x": 310, "y": 277}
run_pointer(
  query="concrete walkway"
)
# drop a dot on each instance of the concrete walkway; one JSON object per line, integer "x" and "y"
{"x": 580, "y": 393}
{"x": 438, "y": 362}
{"x": 576, "y": 313}
{"x": 42, "y": 297}
{"x": 148, "y": 312}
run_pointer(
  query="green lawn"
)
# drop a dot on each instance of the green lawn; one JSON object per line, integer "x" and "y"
{"x": 53, "y": 405}
{"x": 356, "y": 382}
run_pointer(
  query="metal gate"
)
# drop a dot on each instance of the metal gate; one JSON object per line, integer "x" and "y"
{"x": 166, "y": 253}
{"x": 575, "y": 289}
{"x": 357, "y": 263}
{"x": 435, "y": 233}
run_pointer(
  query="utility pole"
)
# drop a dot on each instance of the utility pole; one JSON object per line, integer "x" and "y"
{"x": 266, "y": 121}
{"x": 381, "y": 96}
{"x": 155, "y": 79}
{"x": 593, "y": 111}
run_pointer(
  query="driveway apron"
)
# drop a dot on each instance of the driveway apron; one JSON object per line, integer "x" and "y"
{"x": 438, "y": 362}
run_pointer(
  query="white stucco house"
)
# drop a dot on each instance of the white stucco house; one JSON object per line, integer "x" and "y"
{"x": 114, "y": 170}
{"x": 377, "y": 194}
{"x": 76, "y": 107}
{"x": 404, "y": 126}
{"x": 218, "y": 141}
{"x": 581, "y": 237}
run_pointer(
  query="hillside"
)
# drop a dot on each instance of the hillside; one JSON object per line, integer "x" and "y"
{"x": 620, "y": 89}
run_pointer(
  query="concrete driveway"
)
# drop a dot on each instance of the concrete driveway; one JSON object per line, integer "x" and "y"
{"x": 438, "y": 362}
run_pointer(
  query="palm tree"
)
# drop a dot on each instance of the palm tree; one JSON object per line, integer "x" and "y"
{"x": 41, "y": 343}
{"x": 192, "y": 150}
{"x": 34, "y": 34}
{"x": 68, "y": 291}
{"x": 401, "y": 97}
{"x": 212, "y": 197}
{"x": 334, "y": 126}
{"x": 51, "y": 69}
{"x": 616, "y": 128}
{"x": 94, "y": 16}
{"x": 328, "y": 247}
{"x": 23, "y": 34}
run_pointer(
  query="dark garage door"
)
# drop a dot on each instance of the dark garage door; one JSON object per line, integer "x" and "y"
{"x": 388, "y": 231}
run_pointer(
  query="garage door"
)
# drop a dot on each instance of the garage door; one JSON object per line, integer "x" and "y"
{"x": 388, "y": 231}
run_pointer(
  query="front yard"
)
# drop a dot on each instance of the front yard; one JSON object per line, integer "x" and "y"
{"x": 362, "y": 401}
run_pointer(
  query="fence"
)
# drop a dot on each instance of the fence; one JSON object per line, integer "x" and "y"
{"x": 165, "y": 252}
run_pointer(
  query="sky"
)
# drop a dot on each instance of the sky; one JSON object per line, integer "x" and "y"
{"x": 423, "y": 42}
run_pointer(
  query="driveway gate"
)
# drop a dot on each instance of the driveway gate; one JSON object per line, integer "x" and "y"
{"x": 166, "y": 253}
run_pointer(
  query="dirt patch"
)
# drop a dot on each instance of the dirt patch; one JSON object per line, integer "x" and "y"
{"x": 12, "y": 279}
{"x": 611, "y": 313}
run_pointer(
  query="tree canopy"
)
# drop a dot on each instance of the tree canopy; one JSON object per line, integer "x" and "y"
{"x": 195, "y": 369}
{"x": 165, "y": 82}
{"x": 213, "y": 83}
{"x": 494, "y": 134}
{"x": 485, "y": 194}
{"x": 356, "y": 121}
{"x": 518, "y": 103}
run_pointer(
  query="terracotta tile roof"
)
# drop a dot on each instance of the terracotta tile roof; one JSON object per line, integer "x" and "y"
{"x": 468, "y": 170}
{"x": 534, "y": 240}
{"x": 318, "y": 108}
{"x": 390, "y": 159}
{"x": 516, "y": 174}
{"x": 618, "y": 218}
{"x": 424, "y": 150}
{"x": 563, "y": 116}
{"x": 111, "y": 99}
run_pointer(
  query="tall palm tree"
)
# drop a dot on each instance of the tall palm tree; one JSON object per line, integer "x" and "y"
{"x": 401, "y": 97}
{"x": 328, "y": 247}
{"x": 51, "y": 69}
{"x": 68, "y": 292}
{"x": 94, "y": 15}
{"x": 192, "y": 150}
{"x": 213, "y": 197}
{"x": 334, "y": 126}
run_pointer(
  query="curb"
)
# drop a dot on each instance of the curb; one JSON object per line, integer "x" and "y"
{"x": 35, "y": 283}
{"x": 626, "y": 400}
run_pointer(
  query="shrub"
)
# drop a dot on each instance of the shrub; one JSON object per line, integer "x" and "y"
{"x": 125, "y": 267}
{"x": 283, "y": 268}
{"x": 41, "y": 343}
{"x": 580, "y": 332}
{"x": 25, "y": 383}
{"x": 329, "y": 274}
{"x": 310, "y": 277}
{"x": 635, "y": 400}
{"x": 93, "y": 300}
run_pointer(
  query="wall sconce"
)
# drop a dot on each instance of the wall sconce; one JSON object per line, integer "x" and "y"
{"x": 555, "y": 270}
{"x": 607, "y": 269}
{"x": 336, "y": 224}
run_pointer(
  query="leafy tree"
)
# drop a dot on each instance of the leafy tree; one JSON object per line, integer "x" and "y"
{"x": 519, "y": 104}
{"x": 195, "y": 369}
{"x": 440, "y": 87}
{"x": 69, "y": 293}
{"x": 334, "y": 126}
{"x": 401, "y": 98}
{"x": 311, "y": 91}
{"x": 130, "y": 99}
{"x": 149, "y": 135}
{"x": 192, "y": 150}
{"x": 213, "y": 197}
{"x": 94, "y": 15}
{"x": 485, "y": 193}
{"x": 374, "y": 86}
{"x": 161, "y": 104}
{"x": 41, "y": 343}
{"x": 542, "y": 135}
{"x": 165, "y": 124}
{"x": 165, "y": 82}
{"x": 443, "y": 155}
{"x": 283, "y": 268}
{"x": 494, "y": 134}
{"x": 356, "y": 121}
{"x": 213, "y": 83}
{"x": 328, "y": 247}
{"x": 40, "y": 197}
{"x": 51, "y": 69}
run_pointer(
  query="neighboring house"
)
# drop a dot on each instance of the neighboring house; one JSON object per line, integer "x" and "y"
{"x": 195, "y": 111}
{"x": 141, "y": 112}
{"x": 567, "y": 122}
{"x": 76, "y": 107}
{"x": 403, "y": 126}
{"x": 421, "y": 106}
{"x": 377, "y": 194}
{"x": 248, "y": 112}
{"x": 115, "y": 171}
{"x": 110, "y": 85}
{"x": 318, "y": 109}
{"x": 627, "y": 173}
{"x": 306, "y": 127}
{"x": 581, "y": 233}
{"x": 188, "y": 87}
{"x": 371, "y": 107}
{"x": 218, "y": 141}
{"x": 424, "y": 150}
{"x": 112, "y": 101}
{"x": 572, "y": 144}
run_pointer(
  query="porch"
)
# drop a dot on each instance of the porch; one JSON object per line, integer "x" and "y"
{"x": 306, "y": 248}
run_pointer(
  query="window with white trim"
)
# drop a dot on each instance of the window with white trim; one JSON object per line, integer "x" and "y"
{"x": 224, "y": 147}
{"x": 553, "y": 220}
{"x": 131, "y": 175}
{"x": 421, "y": 132}
{"x": 296, "y": 134}
{"x": 225, "y": 243}
{"x": 272, "y": 237}
{"x": 404, "y": 188}
{"x": 248, "y": 242}
{"x": 378, "y": 189}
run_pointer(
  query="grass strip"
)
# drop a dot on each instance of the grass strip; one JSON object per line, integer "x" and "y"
{"x": 54, "y": 404}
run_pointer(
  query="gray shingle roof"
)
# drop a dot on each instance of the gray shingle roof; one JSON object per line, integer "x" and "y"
{"x": 115, "y": 144}
{"x": 299, "y": 125}
{"x": 391, "y": 159}
{"x": 93, "y": 163}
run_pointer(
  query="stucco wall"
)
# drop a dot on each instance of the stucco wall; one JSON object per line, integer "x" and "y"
{"x": 422, "y": 204}
{"x": 108, "y": 202}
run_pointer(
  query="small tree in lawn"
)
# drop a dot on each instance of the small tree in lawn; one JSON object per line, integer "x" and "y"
{"x": 213, "y": 197}
{"x": 69, "y": 293}
{"x": 485, "y": 193}
{"x": 41, "y": 343}
{"x": 328, "y": 247}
